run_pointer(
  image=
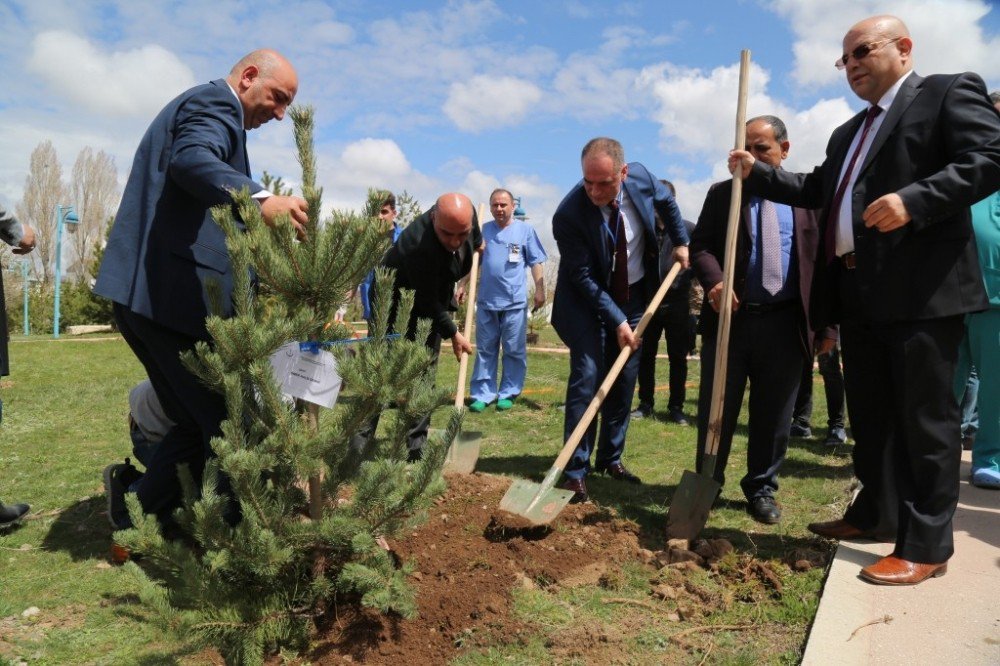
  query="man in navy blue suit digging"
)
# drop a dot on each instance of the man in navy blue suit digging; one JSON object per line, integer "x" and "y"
{"x": 165, "y": 249}
{"x": 607, "y": 276}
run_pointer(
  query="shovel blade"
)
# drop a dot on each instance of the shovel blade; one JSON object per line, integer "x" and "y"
{"x": 463, "y": 453}
{"x": 691, "y": 505}
{"x": 534, "y": 503}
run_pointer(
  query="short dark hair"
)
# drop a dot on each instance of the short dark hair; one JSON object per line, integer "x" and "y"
{"x": 995, "y": 96}
{"x": 388, "y": 200}
{"x": 606, "y": 146}
{"x": 673, "y": 190}
{"x": 500, "y": 189}
{"x": 780, "y": 131}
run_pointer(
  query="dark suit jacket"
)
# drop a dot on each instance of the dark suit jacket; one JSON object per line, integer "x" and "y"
{"x": 939, "y": 149}
{"x": 708, "y": 248}
{"x": 582, "y": 301}
{"x": 10, "y": 233}
{"x": 165, "y": 250}
{"x": 680, "y": 290}
{"x": 431, "y": 271}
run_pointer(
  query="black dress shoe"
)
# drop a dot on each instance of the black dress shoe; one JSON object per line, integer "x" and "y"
{"x": 677, "y": 416}
{"x": 11, "y": 514}
{"x": 641, "y": 412}
{"x": 835, "y": 437}
{"x": 619, "y": 472}
{"x": 764, "y": 510}
{"x": 801, "y": 431}
{"x": 118, "y": 477}
{"x": 579, "y": 489}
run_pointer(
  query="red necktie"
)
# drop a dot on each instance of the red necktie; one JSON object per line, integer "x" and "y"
{"x": 619, "y": 265}
{"x": 833, "y": 214}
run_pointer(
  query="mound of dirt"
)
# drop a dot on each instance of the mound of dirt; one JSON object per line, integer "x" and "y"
{"x": 468, "y": 557}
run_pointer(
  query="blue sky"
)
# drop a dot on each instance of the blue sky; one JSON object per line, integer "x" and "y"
{"x": 464, "y": 95}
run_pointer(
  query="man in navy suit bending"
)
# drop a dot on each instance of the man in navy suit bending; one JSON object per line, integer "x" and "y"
{"x": 165, "y": 250}
{"x": 607, "y": 276}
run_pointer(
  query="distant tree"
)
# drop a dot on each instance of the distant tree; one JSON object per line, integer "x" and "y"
{"x": 95, "y": 194}
{"x": 275, "y": 185}
{"x": 407, "y": 208}
{"x": 43, "y": 191}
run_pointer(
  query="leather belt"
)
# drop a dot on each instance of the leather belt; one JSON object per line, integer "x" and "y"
{"x": 849, "y": 261}
{"x": 763, "y": 308}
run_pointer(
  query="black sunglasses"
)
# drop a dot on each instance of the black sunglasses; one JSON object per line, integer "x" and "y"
{"x": 862, "y": 51}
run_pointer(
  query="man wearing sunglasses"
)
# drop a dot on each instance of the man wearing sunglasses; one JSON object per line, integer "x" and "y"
{"x": 897, "y": 269}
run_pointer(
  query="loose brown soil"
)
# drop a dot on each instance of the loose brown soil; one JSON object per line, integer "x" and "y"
{"x": 469, "y": 556}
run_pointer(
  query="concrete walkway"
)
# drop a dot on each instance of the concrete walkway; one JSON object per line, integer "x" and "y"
{"x": 954, "y": 619}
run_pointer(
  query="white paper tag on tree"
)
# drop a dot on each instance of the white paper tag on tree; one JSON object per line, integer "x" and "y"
{"x": 310, "y": 376}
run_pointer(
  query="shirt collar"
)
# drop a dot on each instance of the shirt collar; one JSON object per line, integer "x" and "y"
{"x": 886, "y": 101}
{"x": 239, "y": 102}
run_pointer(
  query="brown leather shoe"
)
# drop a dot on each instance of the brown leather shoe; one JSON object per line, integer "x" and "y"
{"x": 891, "y": 570}
{"x": 619, "y": 472}
{"x": 579, "y": 488}
{"x": 838, "y": 529}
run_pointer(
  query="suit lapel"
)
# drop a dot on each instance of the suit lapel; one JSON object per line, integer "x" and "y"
{"x": 907, "y": 93}
{"x": 246, "y": 155}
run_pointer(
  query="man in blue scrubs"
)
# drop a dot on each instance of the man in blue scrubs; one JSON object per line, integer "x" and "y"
{"x": 509, "y": 247}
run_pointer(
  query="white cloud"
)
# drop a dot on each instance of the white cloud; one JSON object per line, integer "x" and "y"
{"x": 947, "y": 35}
{"x": 489, "y": 102}
{"x": 121, "y": 83}
{"x": 696, "y": 112}
{"x": 331, "y": 33}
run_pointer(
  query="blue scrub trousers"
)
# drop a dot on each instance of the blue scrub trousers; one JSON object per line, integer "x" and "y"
{"x": 496, "y": 330}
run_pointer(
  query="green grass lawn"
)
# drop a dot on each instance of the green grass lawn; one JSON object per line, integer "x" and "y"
{"x": 65, "y": 408}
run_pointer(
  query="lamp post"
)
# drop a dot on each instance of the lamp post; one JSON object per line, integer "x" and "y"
{"x": 64, "y": 214}
{"x": 23, "y": 263}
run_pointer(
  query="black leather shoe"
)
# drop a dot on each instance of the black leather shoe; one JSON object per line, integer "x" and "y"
{"x": 764, "y": 510}
{"x": 641, "y": 412}
{"x": 798, "y": 430}
{"x": 579, "y": 489}
{"x": 677, "y": 416}
{"x": 117, "y": 479}
{"x": 619, "y": 472}
{"x": 11, "y": 514}
{"x": 835, "y": 437}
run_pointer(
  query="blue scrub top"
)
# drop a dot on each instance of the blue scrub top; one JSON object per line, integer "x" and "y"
{"x": 509, "y": 253}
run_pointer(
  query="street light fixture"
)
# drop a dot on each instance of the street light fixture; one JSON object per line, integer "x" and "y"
{"x": 24, "y": 265}
{"x": 519, "y": 213}
{"x": 64, "y": 215}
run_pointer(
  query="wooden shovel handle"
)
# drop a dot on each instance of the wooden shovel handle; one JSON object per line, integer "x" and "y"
{"x": 470, "y": 304}
{"x": 726, "y": 301}
{"x": 616, "y": 368}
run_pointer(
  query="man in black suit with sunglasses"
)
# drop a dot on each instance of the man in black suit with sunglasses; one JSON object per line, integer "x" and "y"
{"x": 897, "y": 268}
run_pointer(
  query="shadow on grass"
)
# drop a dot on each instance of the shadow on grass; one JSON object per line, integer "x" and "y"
{"x": 128, "y": 606}
{"x": 768, "y": 545}
{"x": 800, "y": 469}
{"x": 81, "y": 530}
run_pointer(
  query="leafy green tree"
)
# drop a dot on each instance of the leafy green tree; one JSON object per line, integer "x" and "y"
{"x": 311, "y": 504}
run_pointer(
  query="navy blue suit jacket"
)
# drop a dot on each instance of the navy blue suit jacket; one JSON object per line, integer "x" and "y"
{"x": 165, "y": 250}
{"x": 582, "y": 301}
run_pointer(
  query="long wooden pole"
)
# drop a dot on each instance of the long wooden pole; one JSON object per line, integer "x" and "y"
{"x": 726, "y": 300}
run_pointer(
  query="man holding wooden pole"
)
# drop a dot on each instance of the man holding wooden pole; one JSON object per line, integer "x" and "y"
{"x": 607, "y": 276}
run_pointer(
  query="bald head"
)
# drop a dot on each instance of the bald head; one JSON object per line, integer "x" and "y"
{"x": 266, "y": 84}
{"x": 452, "y": 220}
{"x": 877, "y": 52}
